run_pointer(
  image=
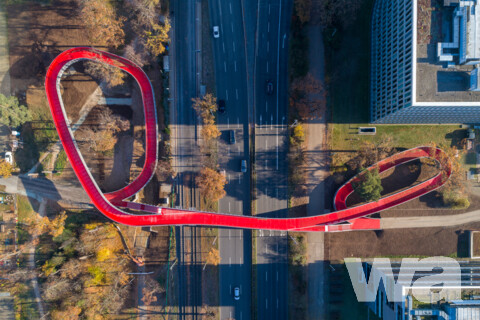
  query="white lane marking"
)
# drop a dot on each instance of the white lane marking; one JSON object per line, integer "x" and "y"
{"x": 266, "y": 144}
{"x": 229, "y": 207}
{"x": 277, "y": 276}
{"x": 230, "y": 314}
{"x": 260, "y": 119}
{"x": 267, "y": 68}
{"x": 268, "y": 46}
{"x": 232, "y": 27}
{"x": 226, "y": 93}
{"x": 230, "y": 8}
{"x": 223, "y": 44}
{"x": 239, "y": 178}
{"x": 266, "y": 191}
{"x": 277, "y": 303}
{"x": 283, "y": 42}
{"x": 266, "y": 276}
{"x": 266, "y": 168}
{"x": 270, "y": 233}
{"x": 241, "y": 315}
{"x": 228, "y": 123}
{"x": 230, "y": 261}
{"x": 220, "y": 7}
{"x": 266, "y": 248}
{"x": 235, "y": 63}
{"x": 271, "y": 125}
{"x": 238, "y": 123}
{"x": 278, "y": 65}
{"x": 238, "y": 149}
{"x": 268, "y": 27}
{"x": 236, "y": 91}
{"x": 228, "y": 176}
{"x": 230, "y": 291}
{"x": 233, "y": 46}
{"x": 268, "y": 8}
{"x": 225, "y": 66}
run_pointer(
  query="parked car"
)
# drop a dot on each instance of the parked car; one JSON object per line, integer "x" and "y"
{"x": 236, "y": 293}
{"x": 221, "y": 106}
{"x": 232, "y": 136}
{"x": 216, "y": 32}
{"x": 9, "y": 157}
{"x": 244, "y": 166}
{"x": 269, "y": 87}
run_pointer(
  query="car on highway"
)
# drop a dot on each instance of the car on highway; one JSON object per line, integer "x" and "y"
{"x": 216, "y": 32}
{"x": 269, "y": 87}
{"x": 232, "y": 136}
{"x": 243, "y": 166}
{"x": 221, "y": 106}
{"x": 236, "y": 293}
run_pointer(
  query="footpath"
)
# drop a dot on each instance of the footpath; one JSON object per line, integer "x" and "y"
{"x": 4, "y": 58}
{"x": 317, "y": 170}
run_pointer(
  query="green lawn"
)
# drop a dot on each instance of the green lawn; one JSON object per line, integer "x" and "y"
{"x": 24, "y": 208}
{"x": 346, "y": 137}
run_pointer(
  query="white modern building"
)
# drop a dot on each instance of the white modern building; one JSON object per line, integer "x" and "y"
{"x": 424, "y": 62}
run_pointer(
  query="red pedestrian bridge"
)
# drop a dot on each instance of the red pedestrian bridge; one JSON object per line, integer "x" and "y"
{"x": 112, "y": 204}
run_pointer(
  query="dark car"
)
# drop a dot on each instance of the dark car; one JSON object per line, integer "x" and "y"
{"x": 269, "y": 87}
{"x": 221, "y": 106}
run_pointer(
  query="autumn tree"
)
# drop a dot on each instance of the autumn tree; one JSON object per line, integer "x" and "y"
{"x": 370, "y": 152}
{"x": 102, "y": 137}
{"x": 298, "y": 135}
{"x": 369, "y": 185}
{"x": 211, "y": 184}
{"x": 338, "y": 13}
{"x": 102, "y": 22}
{"x": 206, "y": 108}
{"x": 5, "y": 168}
{"x": 136, "y": 52}
{"x": 112, "y": 76}
{"x": 157, "y": 37}
{"x": 303, "y": 9}
{"x": 12, "y": 113}
{"x": 213, "y": 257}
{"x": 307, "y": 97}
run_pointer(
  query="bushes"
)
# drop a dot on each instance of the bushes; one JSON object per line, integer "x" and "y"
{"x": 60, "y": 163}
{"x": 455, "y": 200}
{"x": 369, "y": 185}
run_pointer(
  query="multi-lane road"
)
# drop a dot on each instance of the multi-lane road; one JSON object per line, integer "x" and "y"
{"x": 185, "y": 84}
{"x": 231, "y": 79}
{"x": 271, "y": 59}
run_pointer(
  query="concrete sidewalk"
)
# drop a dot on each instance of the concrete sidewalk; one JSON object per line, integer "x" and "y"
{"x": 4, "y": 58}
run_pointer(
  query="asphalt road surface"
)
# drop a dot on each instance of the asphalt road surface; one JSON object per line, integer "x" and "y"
{"x": 185, "y": 153}
{"x": 271, "y": 153}
{"x": 231, "y": 80}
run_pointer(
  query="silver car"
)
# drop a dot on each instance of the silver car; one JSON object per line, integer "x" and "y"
{"x": 216, "y": 32}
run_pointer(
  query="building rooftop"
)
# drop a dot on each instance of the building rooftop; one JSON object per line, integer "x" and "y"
{"x": 447, "y": 34}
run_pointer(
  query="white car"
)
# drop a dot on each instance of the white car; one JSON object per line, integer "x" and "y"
{"x": 243, "y": 166}
{"x": 216, "y": 32}
{"x": 9, "y": 157}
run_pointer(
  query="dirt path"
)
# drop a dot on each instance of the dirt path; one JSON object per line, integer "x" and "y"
{"x": 31, "y": 265}
{"x": 317, "y": 171}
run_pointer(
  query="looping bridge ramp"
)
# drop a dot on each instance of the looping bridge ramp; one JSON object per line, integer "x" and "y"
{"x": 111, "y": 204}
